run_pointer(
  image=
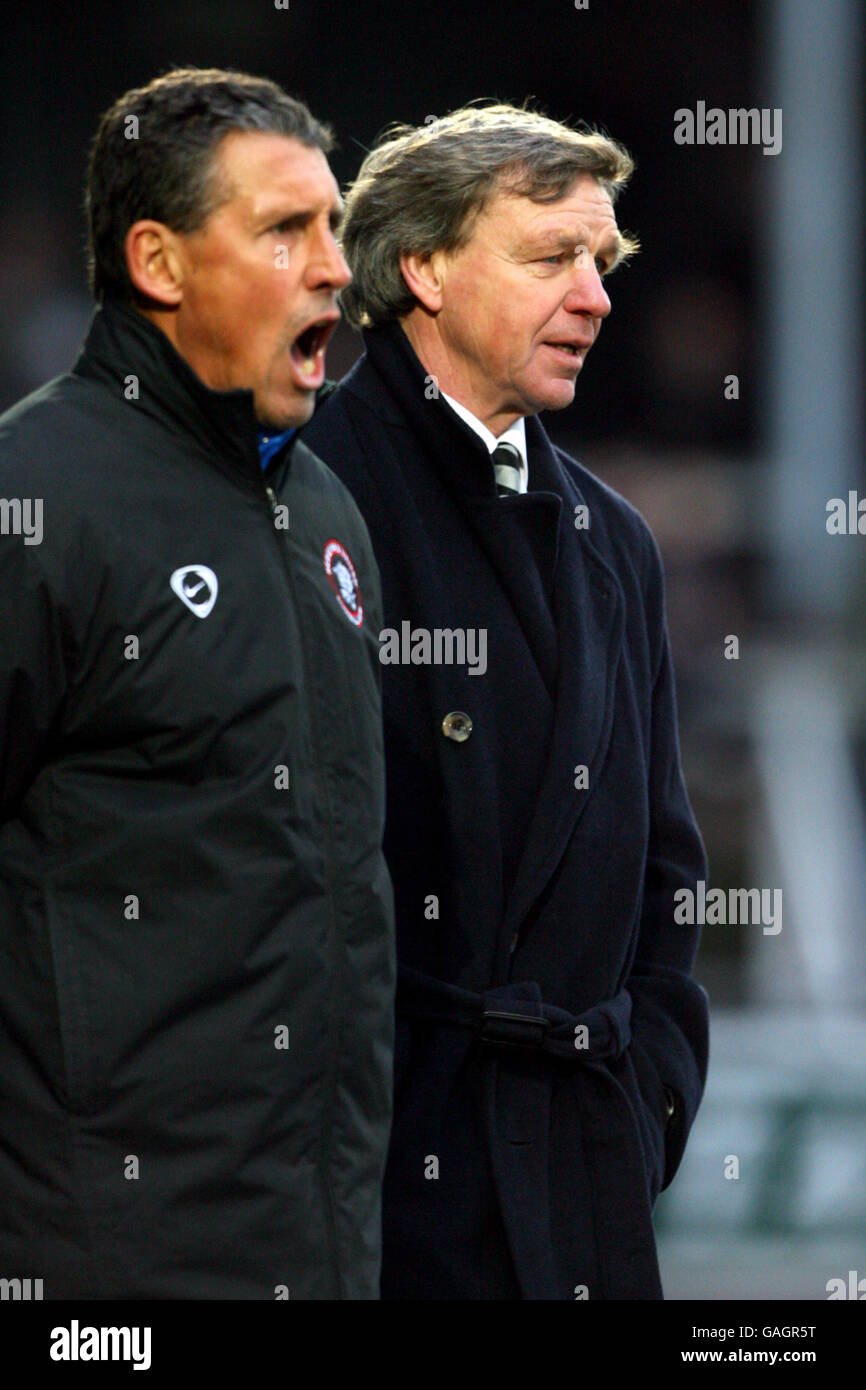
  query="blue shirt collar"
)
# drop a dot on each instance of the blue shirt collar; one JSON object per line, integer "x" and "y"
{"x": 270, "y": 444}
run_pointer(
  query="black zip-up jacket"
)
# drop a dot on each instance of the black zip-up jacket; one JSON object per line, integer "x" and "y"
{"x": 196, "y": 920}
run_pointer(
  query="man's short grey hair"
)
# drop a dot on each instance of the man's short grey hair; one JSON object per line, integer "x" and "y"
{"x": 421, "y": 189}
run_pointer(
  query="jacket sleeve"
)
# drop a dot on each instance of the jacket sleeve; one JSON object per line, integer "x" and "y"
{"x": 670, "y": 1031}
{"x": 33, "y": 668}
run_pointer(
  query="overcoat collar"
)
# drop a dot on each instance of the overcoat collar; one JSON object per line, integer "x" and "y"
{"x": 520, "y": 535}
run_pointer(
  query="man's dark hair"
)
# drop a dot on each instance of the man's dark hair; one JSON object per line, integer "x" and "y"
{"x": 154, "y": 156}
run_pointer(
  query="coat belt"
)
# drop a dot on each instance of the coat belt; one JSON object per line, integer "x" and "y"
{"x": 513, "y": 1018}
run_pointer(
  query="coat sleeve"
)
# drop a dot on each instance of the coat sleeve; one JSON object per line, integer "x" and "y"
{"x": 670, "y": 1031}
{"x": 33, "y": 668}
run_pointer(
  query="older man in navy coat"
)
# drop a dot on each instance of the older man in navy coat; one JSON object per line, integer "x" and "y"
{"x": 551, "y": 1042}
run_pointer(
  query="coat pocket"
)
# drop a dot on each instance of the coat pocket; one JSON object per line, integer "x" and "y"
{"x": 74, "y": 1024}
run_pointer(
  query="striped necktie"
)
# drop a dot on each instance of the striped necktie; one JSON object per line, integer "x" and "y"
{"x": 506, "y": 466}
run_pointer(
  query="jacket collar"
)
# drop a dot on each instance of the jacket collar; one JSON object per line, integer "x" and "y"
{"x": 121, "y": 343}
{"x": 460, "y": 454}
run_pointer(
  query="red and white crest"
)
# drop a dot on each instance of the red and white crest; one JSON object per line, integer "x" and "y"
{"x": 344, "y": 581}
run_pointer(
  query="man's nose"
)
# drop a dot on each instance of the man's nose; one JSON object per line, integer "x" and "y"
{"x": 587, "y": 294}
{"x": 326, "y": 266}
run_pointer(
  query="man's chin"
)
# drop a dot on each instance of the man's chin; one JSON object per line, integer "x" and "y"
{"x": 278, "y": 417}
{"x": 556, "y": 395}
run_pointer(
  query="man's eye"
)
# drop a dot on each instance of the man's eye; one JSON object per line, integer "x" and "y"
{"x": 579, "y": 257}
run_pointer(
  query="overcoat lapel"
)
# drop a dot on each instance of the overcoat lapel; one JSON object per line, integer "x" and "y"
{"x": 520, "y": 536}
{"x": 589, "y": 612}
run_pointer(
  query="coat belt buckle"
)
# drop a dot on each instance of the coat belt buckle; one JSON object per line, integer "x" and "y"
{"x": 513, "y": 1030}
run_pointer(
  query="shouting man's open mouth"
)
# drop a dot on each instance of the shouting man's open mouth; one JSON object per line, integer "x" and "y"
{"x": 307, "y": 352}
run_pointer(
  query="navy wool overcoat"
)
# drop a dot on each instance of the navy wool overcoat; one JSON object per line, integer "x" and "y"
{"x": 551, "y": 1041}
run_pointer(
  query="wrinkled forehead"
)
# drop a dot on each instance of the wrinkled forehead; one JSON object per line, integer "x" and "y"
{"x": 516, "y": 226}
{"x": 252, "y": 166}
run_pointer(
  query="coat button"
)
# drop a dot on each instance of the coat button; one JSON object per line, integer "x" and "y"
{"x": 457, "y": 725}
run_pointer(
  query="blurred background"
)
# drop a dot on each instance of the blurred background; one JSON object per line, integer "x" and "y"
{"x": 724, "y": 398}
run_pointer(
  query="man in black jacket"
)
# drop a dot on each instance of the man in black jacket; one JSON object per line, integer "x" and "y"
{"x": 551, "y": 1042}
{"x": 196, "y": 956}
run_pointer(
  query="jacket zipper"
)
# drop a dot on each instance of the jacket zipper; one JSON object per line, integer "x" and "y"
{"x": 329, "y": 878}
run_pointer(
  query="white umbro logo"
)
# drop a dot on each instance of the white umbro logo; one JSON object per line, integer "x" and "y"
{"x": 197, "y": 587}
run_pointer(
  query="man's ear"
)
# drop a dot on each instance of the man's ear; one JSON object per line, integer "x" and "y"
{"x": 154, "y": 262}
{"x": 425, "y": 277}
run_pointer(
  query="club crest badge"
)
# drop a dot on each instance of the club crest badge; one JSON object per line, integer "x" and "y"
{"x": 344, "y": 581}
